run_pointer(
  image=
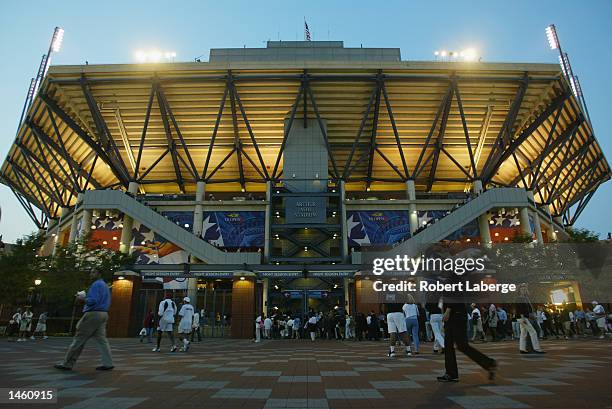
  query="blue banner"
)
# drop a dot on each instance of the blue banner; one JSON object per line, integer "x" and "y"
{"x": 374, "y": 227}
{"x": 238, "y": 229}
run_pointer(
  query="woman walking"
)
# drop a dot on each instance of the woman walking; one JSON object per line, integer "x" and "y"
{"x": 411, "y": 314}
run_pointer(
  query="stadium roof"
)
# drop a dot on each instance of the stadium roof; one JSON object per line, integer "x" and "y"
{"x": 167, "y": 125}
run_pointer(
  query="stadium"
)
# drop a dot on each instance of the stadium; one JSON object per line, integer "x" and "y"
{"x": 254, "y": 181}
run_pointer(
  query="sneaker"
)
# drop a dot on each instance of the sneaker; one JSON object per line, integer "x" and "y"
{"x": 104, "y": 368}
{"x": 391, "y": 354}
{"x": 186, "y": 347}
{"x": 447, "y": 378}
{"x": 62, "y": 367}
{"x": 174, "y": 348}
{"x": 523, "y": 352}
{"x": 156, "y": 349}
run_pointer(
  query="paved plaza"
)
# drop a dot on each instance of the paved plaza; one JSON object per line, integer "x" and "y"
{"x": 301, "y": 374}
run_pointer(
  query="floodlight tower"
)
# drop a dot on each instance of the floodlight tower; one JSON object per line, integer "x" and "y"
{"x": 564, "y": 61}
{"x": 54, "y": 47}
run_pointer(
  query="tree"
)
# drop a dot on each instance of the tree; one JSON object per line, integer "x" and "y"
{"x": 19, "y": 268}
{"x": 582, "y": 235}
{"x": 62, "y": 274}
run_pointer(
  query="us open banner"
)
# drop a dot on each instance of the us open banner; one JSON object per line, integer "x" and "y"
{"x": 374, "y": 227}
{"x": 234, "y": 229}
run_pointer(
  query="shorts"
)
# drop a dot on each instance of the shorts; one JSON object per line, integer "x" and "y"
{"x": 165, "y": 326}
{"x": 41, "y": 327}
{"x": 25, "y": 326}
{"x": 396, "y": 322}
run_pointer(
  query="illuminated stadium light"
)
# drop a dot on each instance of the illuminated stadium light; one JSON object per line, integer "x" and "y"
{"x": 58, "y": 38}
{"x": 551, "y": 35}
{"x": 469, "y": 54}
{"x": 154, "y": 56}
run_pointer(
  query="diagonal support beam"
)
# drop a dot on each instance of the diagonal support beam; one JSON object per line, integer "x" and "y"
{"x": 504, "y": 136}
{"x": 85, "y": 136}
{"x": 102, "y": 132}
{"x": 440, "y": 139}
{"x": 170, "y": 141}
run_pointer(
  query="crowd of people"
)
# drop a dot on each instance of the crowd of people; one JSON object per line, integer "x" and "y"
{"x": 20, "y": 325}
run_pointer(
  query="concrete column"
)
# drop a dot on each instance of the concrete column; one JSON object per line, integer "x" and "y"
{"x": 268, "y": 216}
{"x": 551, "y": 235}
{"x": 477, "y": 187}
{"x": 483, "y": 219}
{"x": 264, "y": 297}
{"x": 198, "y": 213}
{"x": 345, "y": 233}
{"x": 192, "y": 291}
{"x": 347, "y": 304}
{"x": 485, "y": 233}
{"x": 73, "y": 224}
{"x": 87, "y": 216}
{"x": 63, "y": 213}
{"x": 126, "y": 232}
{"x": 524, "y": 219}
{"x": 413, "y": 216}
{"x": 536, "y": 221}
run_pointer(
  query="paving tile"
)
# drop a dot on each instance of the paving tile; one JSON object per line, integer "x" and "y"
{"x": 515, "y": 390}
{"x": 262, "y": 373}
{"x": 296, "y": 404}
{"x": 99, "y": 402}
{"x": 339, "y": 373}
{"x": 487, "y": 402}
{"x": 299, "y": 378}
{"x": 361, "y": 393}
{"x": 83, "y": 392}
{"x": 202, "y": 385}
{"x": 170, "y": 378}
{"x": 243, "y": 393}
{"x": 395, "y": 385}
{"x": 537, "y": 382}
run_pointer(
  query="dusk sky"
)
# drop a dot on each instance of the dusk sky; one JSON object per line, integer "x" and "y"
{"x": 111, "y": 31}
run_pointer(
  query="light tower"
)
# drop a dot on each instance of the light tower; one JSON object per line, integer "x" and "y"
{"x": 54, "y": 47}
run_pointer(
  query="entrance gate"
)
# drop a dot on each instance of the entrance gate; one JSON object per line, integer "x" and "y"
{"x": 217, "y": 304}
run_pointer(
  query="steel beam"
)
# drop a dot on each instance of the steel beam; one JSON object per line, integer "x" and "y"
{"x": 171, "y": 144}
{"x": 439, "y": 140}
{"x": 83, "y": 135}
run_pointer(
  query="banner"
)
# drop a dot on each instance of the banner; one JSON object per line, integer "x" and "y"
{"x": 373, "y": 227}
{"x": 241, "y": 229}
{"x": 468, "y": 231}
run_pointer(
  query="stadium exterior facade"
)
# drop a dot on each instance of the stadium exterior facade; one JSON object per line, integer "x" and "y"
{"x": 255, "y": 180}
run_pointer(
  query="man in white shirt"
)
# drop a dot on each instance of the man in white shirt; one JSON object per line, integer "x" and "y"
{"x": 184, "y": 330}
{"x": 267, "y": 327}
{"x": 166, "y": 312}
{"x": 600, "y": 318}
{"x": 196, "y": 327}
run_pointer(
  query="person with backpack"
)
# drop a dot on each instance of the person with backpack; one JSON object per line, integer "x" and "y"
{"x": 477, "y": 323}
{"x": 147, "y": 326}
{"x": 166, "y": 312}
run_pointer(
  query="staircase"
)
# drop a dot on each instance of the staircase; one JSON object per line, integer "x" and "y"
{"x": 114, "y": 199}
{"x": 493, "y": 198}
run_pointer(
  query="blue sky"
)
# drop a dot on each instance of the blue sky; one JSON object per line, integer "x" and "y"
{"x": 110, "y": 32}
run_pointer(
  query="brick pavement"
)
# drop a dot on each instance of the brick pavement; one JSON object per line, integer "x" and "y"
{"x": 232, "y": 374}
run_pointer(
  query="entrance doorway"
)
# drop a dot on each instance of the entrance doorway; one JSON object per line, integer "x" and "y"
{"x": 299, "y": 297}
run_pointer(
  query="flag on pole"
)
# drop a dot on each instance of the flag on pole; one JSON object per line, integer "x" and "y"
{"x": 306, "y": 32}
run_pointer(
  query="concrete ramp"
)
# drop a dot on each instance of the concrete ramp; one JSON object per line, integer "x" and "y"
{"x": 117, "y": 200}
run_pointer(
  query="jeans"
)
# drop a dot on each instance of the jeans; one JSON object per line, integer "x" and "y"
{"x": 436, "y": 326}
{"x": 412, "y": 327}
